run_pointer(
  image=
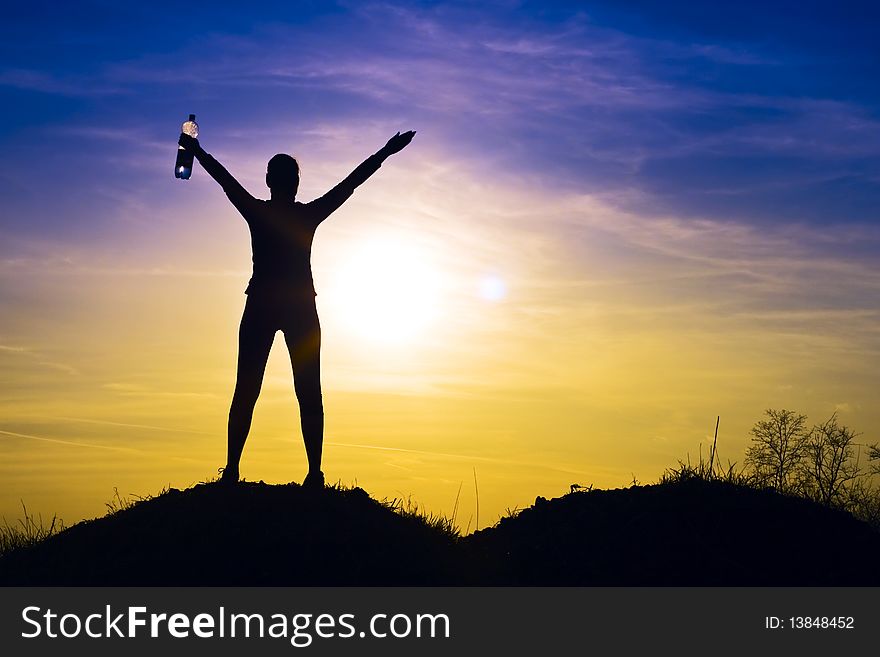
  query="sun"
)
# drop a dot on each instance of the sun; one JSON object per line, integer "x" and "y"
{"x": 385, "y": 290}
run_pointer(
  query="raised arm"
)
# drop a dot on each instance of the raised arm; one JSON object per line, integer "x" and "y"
{"x": 330, "y": 201}
{"x": 236, "y": 193}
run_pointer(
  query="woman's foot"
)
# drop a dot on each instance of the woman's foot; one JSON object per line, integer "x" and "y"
{"x": 314, "y": 480}
{"x": 228, "y": 475}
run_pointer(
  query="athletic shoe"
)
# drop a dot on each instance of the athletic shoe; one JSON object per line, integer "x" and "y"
{"x": 314, "y": 480}
{"x": 228, "y": 475}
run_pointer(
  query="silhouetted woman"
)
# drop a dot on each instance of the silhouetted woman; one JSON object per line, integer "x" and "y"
{"x": 281, "y": 293}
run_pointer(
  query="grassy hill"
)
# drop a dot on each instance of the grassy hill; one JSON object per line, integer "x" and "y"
{"x": 692, "y": 532}
{"x": 684, "y": 533}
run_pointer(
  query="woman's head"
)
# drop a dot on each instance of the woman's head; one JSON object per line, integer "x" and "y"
{"x": 282, "y": 174}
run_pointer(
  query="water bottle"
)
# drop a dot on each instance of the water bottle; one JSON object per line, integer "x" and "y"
{"x": 184, "y": 166}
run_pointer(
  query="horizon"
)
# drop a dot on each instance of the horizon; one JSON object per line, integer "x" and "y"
{"x": 613, "y": 225}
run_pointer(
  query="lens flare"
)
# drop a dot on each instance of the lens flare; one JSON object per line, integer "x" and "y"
{"x": 493, "y": 288}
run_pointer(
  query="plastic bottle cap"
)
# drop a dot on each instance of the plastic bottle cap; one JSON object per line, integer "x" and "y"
{"x": 192, "y": 117}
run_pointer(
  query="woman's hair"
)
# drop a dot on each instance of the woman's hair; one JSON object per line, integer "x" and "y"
{"x": 282, "y": 172}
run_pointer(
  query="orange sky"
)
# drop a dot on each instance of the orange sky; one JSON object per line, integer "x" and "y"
{"x": 586, "y": 361}
{"x": 612, "y": 226}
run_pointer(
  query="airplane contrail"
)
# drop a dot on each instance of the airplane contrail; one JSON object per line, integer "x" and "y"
{"x": 68, "y": 442}
{"x": 411, "y": 451}
{"x": 129, "y": 450}
{"x": 133, "y": 426}
{"x": 457, "y": 456}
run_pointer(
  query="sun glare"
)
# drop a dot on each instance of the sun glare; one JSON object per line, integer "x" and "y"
{"x": 385, "y": 291}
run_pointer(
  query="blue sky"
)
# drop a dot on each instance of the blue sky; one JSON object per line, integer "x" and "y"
{"x": 744, "y": 111}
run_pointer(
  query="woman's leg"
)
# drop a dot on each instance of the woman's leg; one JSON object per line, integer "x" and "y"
{"x": 304, "y": 345}
{"x": 255, "y": 336}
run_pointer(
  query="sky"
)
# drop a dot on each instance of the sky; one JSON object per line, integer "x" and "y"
{"x": 617, "y": 221}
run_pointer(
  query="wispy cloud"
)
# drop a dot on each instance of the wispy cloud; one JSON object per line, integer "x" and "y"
{"x": 466, "y": 457}
{"x": 130, "y": 425}
{"x": 597, "y": 106}
{"x": 139, "y": 390}
{"x": 39, "y": 358}
{"x": 50, "y": 83}
{"x": 647, "y": 120}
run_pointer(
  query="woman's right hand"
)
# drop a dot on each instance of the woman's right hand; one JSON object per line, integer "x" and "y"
{"x": 188, "y": 143}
